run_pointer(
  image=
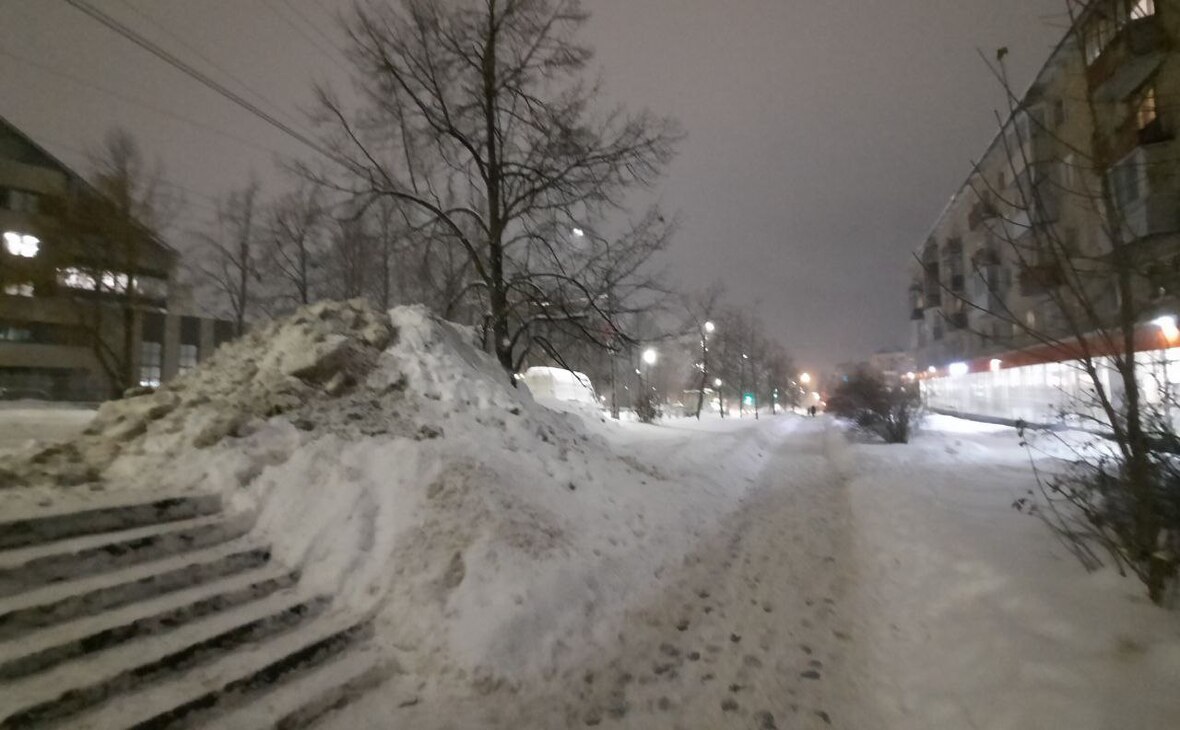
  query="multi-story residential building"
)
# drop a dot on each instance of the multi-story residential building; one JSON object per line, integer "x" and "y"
{"x": 83, "y": 315}
{"x": 1087, "y": 158}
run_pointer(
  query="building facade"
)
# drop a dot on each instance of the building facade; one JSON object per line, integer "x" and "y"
{"x": 87, "y": 307}
{"x": 1087, "y": 162}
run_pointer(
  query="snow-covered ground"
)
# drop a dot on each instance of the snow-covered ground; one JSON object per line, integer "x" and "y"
{"x": 25, "y": 420}
{"x": 973, "y": 616}
{"x": 534, "y": 568}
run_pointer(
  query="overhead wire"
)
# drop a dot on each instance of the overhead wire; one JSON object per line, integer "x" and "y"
{"x": 194, "y": 73}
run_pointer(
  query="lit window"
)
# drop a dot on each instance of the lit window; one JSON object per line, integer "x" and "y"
{"x": 1143, "y": 9}
{"x": 151, "y": 287}
{"x": 76, "y": 278}
{"x": 13, "y": 333}
{"x": 113, "y": 281}
{"x": 19, "y": 289}
{"x": 21, "y": 244}
{"x": 150, "y": 360}
{"x": 188, "y": 358}
{"x": 1146, "y": 108}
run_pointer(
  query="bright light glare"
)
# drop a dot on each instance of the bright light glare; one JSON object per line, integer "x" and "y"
{"x": 805, "y": 378}
{"x": 578, "y": 233}
{"x": 717, "y": 382}
{"x": 19, "y": 244}
{"x": 650, "y": 356}
{"x": 996, "y": 364}
{"x": 1168, "y": 328}
{"x": 709, "y": 327}
{"x": 932, "y": 370}
{"x": 911, "y": 376}
{"x": 957, "y": 369}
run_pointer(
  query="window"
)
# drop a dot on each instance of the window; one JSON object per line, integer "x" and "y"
{"x": 21, "y": 244}
{"x": 188, "y": 357}
{"x": 76, "y": 278}
{"x": 14, "y": 333}
{"x": 150, "y": 360}
{"x": 114, "y": 281}
{"x": 1058, "y": 113}
{"x": 1143, "y": 9}
{"x": 151, "y": 287}
{"x": 1124, "y": 182}
{"x": 19, "y": 201}
{"x": 19, "y": 289}
{"x": 1146, "y": 109}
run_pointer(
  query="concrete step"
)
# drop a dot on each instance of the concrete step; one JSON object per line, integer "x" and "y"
{"x": 73, "y": 518}
{"x": 301, "y": 701}
{"x": 232, "y": 682}
{"x": 68, "y": 600}
{"x": 28, "y": 567}
{"x": 122, "y": 671}
{"x": 37, "y": 651}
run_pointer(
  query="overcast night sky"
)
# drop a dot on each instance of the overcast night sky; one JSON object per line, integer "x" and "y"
{"x": 823, "y": 137}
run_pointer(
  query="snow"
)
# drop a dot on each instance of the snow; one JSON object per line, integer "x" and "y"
{"x": 27, "y": 420}
{"x": 974, "y": 617}
{"x": 530, "y": 566}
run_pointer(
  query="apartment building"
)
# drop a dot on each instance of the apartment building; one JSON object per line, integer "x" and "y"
{"x": 1103, "y": 111}
{"x": 81, "y": 315}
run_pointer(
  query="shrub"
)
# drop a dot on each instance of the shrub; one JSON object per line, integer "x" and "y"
{"x": 890, "y": 412}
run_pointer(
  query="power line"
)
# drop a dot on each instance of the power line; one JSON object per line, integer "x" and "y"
{"x": 196, "y": 74}
{"x": 193, "y": 49}
{"x": 290, "y": 24}
{"x": 93, "y": 86}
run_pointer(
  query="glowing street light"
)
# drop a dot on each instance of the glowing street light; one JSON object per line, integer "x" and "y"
{"x": 958, "y": 369}
{"x": 1168, "y": 328}
{"x": 578, "y": 233}
{"x": 709, "y": 327}
{"x": 650, "y": 356}
{"x": 805, "y": 378}
{"x": 717, "y": 382}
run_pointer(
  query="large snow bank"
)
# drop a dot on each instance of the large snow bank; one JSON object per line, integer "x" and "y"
{"x": 398, "y": 466}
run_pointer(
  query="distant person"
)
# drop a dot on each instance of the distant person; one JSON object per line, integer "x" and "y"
{"x": 811, "y": 411}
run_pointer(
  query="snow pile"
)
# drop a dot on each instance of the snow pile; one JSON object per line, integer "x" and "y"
{"x": 320, "y": 352}
{"x": 396, "y": 464}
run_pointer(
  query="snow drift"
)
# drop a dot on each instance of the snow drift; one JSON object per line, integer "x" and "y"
{"x": 398, "y": 466}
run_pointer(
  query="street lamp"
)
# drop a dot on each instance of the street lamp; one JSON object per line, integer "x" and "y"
{"x": 709, "y": 327}
{"x": 650, "y": 356}
{"x": 578, "y": 233}
{"x": 805, "y": 378}
{"x": 1168, "y": 328}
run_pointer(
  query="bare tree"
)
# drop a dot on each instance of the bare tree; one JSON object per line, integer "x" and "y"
{"x": 475, "y": 118}
{"x": 297, "y": 228}
{"x": 123, "y": 268}
{"x": 231, "y": 257}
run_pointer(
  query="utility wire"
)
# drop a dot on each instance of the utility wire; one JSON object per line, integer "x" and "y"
{"x": 295, "y": 27}
{"x": 204, "y": 57}
{"x": 131, "y": 100}
{"x": 197, "y": 75}
{"x": 311, "y": 24}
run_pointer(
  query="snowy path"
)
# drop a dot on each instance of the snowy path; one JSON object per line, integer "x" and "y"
{"x": 855, "y": 585}
{"x": 749, "y": 633}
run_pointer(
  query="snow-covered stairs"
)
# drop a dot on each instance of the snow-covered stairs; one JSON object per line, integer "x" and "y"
{"x": 166, "y": 614}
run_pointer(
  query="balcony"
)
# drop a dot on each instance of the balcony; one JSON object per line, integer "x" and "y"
{"x": 1040, "y": 279}
{"x": 1153, "y": 216}
{"x": 1129, "y": 59}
